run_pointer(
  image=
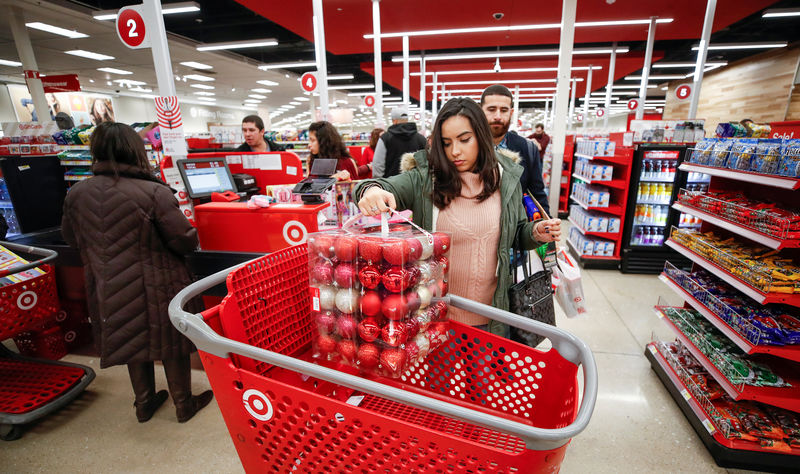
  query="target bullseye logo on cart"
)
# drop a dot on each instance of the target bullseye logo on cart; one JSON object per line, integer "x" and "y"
{"x": 257, "y": 404}
{"x": 27, "y": 300}
{"x": 294, "y": 233}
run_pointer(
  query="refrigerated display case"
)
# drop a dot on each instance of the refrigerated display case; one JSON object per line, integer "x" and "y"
{"x": 654, "y": 185}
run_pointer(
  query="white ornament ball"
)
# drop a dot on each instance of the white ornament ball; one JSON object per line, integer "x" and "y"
{"x": 327, "y": 297}
{"x": 347, "y": 300}
{"x": 423, "y": 318}
{"x": 424, "y": 345}
{"x": 424, "y": 296}
{"x": 427, "y": 248}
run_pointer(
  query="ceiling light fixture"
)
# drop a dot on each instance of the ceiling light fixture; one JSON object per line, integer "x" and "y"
{"x": 302, "y": 99}
{"x": 257, "y": 43}
{"x": 166, "y": 9}
{"x": 201, "y": 86}
{"x": 541, "y": 26}
{"x": 505, "y": 81}
{"x": 351, "y": 86}
{"x": 682, "y": 65}
{"x": 691, "y": 74}
{"x": 129, "y": 82}
{"x": 265, "y": 82}
{"x": 781, "y": 12}
{"x": 36, "y": 25}
{"x": 199, "y": 77}
{"x": 656, "y": 77}
{"x": 362, "y": 94}
{"x": 196, "y": 65}
{"x": 339, "y": 77}
{"x": 6, "y": 62}
{"x": 492, "y": 71}
{"x": 112, "y": 70}
{"x": 630, "y": 86}
{"x": 204, "y": 93}
{"x": 90, "y": 55}
{"x": 507, "y": 54}
{"x": 755, "y": 45}
{"x": 261, "y": 90}
{"x": 303, "y": 64}
{"x": 257, "y": 96}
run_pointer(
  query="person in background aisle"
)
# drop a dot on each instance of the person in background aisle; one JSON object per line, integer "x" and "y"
{"x": 368, "y": 154}
{"x": 463, "y": 185}
{"x": 540, "y": 138}
{"x": 402, "y": 137}
{"x": 496, "y": 103}
{"x": 254, "y": 140}
{"x": 133, "y": 238}
{"x": 324, "y": 141}
{"x": 64, "y": 121}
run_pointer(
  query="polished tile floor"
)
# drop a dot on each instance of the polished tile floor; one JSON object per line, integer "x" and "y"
{"x": 636, "y": 426}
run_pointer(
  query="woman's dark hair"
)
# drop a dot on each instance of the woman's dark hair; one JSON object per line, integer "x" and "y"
{"x": 447, "y": 182}
{"x": 374, "y": 137}
{"x": 117, "y": 143}
{"x": 331, "y": 144}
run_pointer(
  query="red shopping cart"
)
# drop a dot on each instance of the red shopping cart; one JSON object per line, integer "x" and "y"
{"x": 479, "y": 403}
{"x": 30, "y": 388}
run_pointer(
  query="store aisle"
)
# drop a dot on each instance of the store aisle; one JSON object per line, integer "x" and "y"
{"x": 636, "y": 426}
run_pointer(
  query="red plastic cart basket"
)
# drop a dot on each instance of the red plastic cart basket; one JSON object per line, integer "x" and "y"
{"x": 479, "y": 403}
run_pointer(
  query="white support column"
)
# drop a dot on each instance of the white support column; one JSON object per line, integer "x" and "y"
{"x": 648, "y": 57}
{"x": 515, "y": 116}
{"x": 702, "y": 51}
{"x": 573, "y": 87}
{"x": 376, "y": 31}
{"x": 610, "y": 85}
{"x": 434, "y": 98}
{"x": 586, "y": 98}
{"x": 560, "y": 105}
{"x": 422, "y": 101}
{"x": 406, "y": 82}
{"x": 322, "y": 60}
{"x": 16, "y": 19}
{"x": 159, "y": 47}
{"x": 546, "y": 113}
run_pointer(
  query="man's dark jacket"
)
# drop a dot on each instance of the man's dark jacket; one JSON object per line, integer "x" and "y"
{"x": 400, "y": 139}
{"x": 529, "y": 159}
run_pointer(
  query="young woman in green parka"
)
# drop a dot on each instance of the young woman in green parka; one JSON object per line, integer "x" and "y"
{"x": 464, "y": 187}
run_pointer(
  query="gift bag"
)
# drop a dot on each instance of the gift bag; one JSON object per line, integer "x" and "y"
{"x": 567, "y": 282}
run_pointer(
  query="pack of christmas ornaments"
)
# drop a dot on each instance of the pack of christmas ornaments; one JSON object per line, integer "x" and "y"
{"x": 377, "y": 295}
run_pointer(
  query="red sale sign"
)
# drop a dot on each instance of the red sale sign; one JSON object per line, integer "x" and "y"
{"x": 131, "y": 27}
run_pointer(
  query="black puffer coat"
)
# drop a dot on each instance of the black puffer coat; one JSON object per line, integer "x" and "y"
{"x": 132, "y": 238}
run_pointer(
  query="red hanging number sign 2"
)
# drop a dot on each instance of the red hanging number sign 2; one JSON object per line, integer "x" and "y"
{"x": 131, "y": 28}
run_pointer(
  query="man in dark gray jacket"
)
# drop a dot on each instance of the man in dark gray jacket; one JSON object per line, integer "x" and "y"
{"x": 401, "y": 138}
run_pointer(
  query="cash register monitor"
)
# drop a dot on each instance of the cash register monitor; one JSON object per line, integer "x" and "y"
{"x": 205, "y": 176}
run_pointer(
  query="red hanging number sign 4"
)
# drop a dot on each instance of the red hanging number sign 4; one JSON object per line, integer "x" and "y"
{"x": 308, "y": 82}
{"x": 683, "y": 92}
{"x": 131, "y": 28}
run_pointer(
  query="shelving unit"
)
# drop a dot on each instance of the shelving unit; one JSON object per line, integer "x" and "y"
{"x": 613, "y": 209}
{"x": 604, "y": 235}
{"x": 566, "y": 173}
{"x": 614, "y": 183}
{"x": 784, "y": 360}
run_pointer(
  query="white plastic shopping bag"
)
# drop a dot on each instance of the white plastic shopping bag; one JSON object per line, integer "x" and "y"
{"x": 567, "y": 282}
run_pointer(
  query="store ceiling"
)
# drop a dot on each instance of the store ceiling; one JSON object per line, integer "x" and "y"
{"x": 347, "y": 21}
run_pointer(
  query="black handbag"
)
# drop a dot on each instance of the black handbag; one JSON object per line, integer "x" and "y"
{"x": 531, "y": 298}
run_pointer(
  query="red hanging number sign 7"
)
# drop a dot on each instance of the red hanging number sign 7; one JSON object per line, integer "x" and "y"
{"x": 308, "y": 82}
{"x": 633, "y": 104}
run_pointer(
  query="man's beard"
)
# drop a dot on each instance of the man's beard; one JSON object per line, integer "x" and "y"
{"x": 502, "y": 131}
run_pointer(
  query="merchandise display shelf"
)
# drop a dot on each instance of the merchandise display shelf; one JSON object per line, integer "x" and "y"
{"x": 75, "y": 177}
{"x": 758, "y": 178}
{"x": 730, "y": 453}
{"x": 590, "y": 258}
{"x": 604, "y": 235}
{"x": 614, "y": 209}
{"x": 657, "y": 180}
{"x": 76, "y": 162}
{"x": 783, "y": 397}
{"x": 741, "y": 340}
{"x": 614, "y": 183}
{"x": 616, "y": 159}
{"x": 723, "y": 274}
{"x": 754, "y": 235}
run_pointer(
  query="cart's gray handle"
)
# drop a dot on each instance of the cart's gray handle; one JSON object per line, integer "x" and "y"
{"x": 570, "y": 347}
{"x": 49, "y": 255}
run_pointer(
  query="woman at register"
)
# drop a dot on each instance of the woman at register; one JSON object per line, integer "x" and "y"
{"x": 324, "y": 141}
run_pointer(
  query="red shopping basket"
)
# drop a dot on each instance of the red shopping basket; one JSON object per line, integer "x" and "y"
{"x": 27, "y": 304}
{"x": 479, "y": 403}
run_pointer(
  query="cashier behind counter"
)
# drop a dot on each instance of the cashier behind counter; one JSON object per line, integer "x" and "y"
{"x": 253, "y": 133}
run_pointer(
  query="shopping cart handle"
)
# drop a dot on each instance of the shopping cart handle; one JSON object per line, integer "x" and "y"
{"x": 206, "y": 339}
{"x": 49, "y": 255}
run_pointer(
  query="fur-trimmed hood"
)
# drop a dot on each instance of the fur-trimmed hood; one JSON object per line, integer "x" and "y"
{"x": 409, "y": 161}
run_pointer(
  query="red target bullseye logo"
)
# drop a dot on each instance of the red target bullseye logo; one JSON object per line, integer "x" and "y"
{"x": 61, "y": 316}
{"x": 182, "y": 194}
{"x": 70, "y": 336}
{"x": 27, "y": 300}
{"x": 257, "y": 404}
{"x": 294, "y": 233}
{"x": 187, "y": 212}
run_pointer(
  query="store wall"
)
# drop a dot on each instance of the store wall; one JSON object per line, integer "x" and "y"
{"x": 757, "y": 88}
{"x": 6, "y": 107}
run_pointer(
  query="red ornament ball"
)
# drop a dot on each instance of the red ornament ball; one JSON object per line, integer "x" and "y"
{"x": 346, "y": 326}
{"x": 397, "y": 252}
{"x": 368, "y": 329}
{"x": 395, "y": 307}
{"x": 370, "y": 276}
{"x": 371, "y": 249}
{"x": 412, "y": 350}
{"x": 393, "y": 361}
{"x": 346, "y": 248}
{"x": 323, "y": 243}
{"x": 398, "y": 279}
{"x": 441, "y": 309}
{"x": 412, "y": 327}
{"x": 371, "y": 303}
{"x": 414, "y": 301}
{"x": 444, "y": 264}
{"x": 345, "y": 274}
{"x": 322, "y": 272}
{"x": 368, "y": 356}
{"x": 326, "y": 321}
{"x": 326, "y": 344}
{"x": 443, "y": 287}
{"x": 394, "y": 333}
{"x": 441, "y": 243}
{"x": 415, "y": 249}
{"x": 347, "y": 349}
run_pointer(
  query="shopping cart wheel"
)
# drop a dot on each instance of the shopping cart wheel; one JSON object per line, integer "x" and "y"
{"x": 10, "y": 432}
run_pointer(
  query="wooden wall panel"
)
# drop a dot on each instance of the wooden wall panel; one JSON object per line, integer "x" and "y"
{"x": 756, "y": 88}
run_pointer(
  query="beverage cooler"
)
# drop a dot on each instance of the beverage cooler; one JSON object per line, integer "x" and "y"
{"x": 655, "y": 182}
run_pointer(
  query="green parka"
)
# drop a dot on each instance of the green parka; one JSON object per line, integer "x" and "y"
{"x": 413, "y": 189}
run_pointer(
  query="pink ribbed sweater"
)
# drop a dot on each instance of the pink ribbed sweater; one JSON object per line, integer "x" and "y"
{"x": 475, "y": 230}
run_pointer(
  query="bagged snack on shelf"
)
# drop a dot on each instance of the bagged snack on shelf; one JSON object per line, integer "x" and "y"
{"x": 790, "y": 159}
{"x": 708, "y": 386}
{"x": 742, "y": 153}
{"x": 728, "y": 417}
{"x": 788, "y": 421}
{"x": 765, "y": 377}
{"x": 757, "y": 423}
{"x": 702, "y": 151}
{"x": 767, "y": 156}
{"x": 719, "y": 153}
{"x": 376, "y": 293}
{"x": 790, "y": 326}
